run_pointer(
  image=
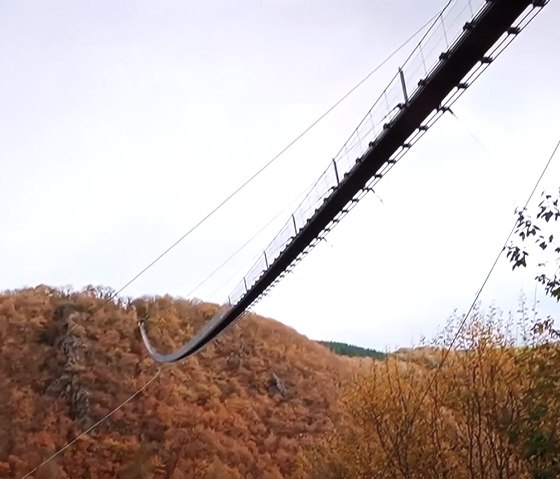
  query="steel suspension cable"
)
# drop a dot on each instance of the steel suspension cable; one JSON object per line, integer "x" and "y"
{"x": 455, "y": 337}
{"x": 91, "y": 428}
{"x": 278, "y": 155}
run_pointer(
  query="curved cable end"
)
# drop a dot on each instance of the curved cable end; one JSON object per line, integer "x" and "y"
{"x": 208, "y": 333}
{"x": 142, "y": 320}
{"x": 147, "y": 343}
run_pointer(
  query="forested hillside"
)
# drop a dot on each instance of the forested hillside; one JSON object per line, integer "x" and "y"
{"x": 481, "y": 400}
{"x": 245, "y": 407}
{"x": 350, "y": 350}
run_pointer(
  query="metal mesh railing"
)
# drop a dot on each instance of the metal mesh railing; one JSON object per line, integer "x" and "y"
{"x": 237, "y": 293}
{"x": 256, "y": 271}
{"x": 322, "y": 188}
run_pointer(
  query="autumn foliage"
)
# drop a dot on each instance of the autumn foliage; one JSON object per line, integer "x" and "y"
{"x": 242, "y": 408}
{"x": 489, "y": 408}
{"x": 480, "y": 401}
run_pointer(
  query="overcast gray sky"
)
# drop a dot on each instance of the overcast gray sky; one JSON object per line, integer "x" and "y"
{"x": 123, "y": 123}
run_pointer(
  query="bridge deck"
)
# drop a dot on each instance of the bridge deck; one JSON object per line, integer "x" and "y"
{"x": 437, "y": 89}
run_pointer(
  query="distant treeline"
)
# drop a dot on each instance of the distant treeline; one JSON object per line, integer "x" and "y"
{"x": 351, "y": 350}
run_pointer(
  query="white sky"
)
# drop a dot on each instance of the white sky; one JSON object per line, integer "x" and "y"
{"x": 123, "y": 123}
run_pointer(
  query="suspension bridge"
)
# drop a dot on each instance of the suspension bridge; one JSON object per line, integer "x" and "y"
{"x": 458, "y": 47}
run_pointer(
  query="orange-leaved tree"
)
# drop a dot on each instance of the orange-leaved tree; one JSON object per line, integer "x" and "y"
{"x": 489, "y": 410}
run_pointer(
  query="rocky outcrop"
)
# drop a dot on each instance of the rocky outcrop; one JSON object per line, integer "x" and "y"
{"x": 278, "y": 385}
{"x": 66, "y": 338}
